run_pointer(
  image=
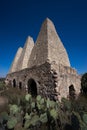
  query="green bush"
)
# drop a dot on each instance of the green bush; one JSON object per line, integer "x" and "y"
{"x": 2, "y": 86}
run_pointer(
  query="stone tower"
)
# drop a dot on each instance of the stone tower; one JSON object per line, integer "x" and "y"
{"x": 15, "y": 61}
{"x": 44, "y": 68}
{"x": 48, "y": 47}
{"x": 25, "y": 55}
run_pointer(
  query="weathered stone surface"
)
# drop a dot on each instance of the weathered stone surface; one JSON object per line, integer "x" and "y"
{"x": 24, "y": 58}
{"x": 48, "y": 47}
{"x": 66, "y": 77}
{"x": 44, "y": 68}
{"x": 56, "y": 50}
{"x": 15, "y": 61}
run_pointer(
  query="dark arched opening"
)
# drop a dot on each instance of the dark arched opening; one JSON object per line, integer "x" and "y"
{"x": 32, "y": 87}
{"x": 72, "y": 91}
{"x": 20, "y": 85}
{"x": 14, "y": 83}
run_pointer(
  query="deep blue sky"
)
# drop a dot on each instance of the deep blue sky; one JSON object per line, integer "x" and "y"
{"x": 20, "y": 18}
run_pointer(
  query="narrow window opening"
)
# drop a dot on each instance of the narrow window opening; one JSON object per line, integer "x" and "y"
{"x": 20, "y": 85}
{"x": 14, "y": 83}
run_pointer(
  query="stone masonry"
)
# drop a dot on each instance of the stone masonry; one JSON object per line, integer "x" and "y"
{"x": 44, "y": 67}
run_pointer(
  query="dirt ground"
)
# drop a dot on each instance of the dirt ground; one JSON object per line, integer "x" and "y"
{"x": 3, "y": 103}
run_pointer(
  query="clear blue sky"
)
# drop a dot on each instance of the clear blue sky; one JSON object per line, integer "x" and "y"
{"x": 21, "y": 18}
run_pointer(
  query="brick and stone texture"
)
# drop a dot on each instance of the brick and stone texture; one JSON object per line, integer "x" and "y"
{"x": 44, "y": 67}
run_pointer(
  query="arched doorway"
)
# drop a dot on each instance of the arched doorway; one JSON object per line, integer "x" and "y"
{"x": 20, "y": 85}
{"x": 14, "y": 83}
{"x": 32, "y": 87}
{"x": 72, "y": 91}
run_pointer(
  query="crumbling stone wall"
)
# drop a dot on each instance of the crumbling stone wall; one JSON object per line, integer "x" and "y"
{"x": 52, "y": 81}
{"x": 41, "y": 75}
{"x": 64, "y": 77}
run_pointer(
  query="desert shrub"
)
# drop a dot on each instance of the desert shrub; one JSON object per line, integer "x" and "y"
{"x": 2, "y": 85}
{"x": 13, "y": 95}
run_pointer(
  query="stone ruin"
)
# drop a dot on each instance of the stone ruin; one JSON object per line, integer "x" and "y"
{"x": 44, "y": 67}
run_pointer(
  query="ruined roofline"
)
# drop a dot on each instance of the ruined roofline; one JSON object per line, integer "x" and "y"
{"x": 25, "y": 69}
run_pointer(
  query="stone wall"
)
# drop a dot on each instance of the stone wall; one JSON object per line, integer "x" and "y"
{"x": 41, "y": 75}
{"x": 52, "y": 80}
{"x": 63, "y": 78}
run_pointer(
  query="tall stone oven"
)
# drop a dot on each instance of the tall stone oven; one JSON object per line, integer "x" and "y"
{"x": 44, "y": 67}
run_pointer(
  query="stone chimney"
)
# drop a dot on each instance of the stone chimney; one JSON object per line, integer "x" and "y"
{"x": 24, "y": 58}
{"x": 15, "y": 61}
{"x": 48, "y": 47}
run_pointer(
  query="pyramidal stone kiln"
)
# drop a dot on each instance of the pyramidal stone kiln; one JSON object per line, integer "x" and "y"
{"x": 44, "y": 68}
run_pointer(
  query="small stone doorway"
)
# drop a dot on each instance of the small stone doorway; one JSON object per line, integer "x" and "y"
{"x": 32, "y": 87}
{"x": 72, "y": 91}
{"x": 14, "y": 83}
{"x": 20, "y": 85}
